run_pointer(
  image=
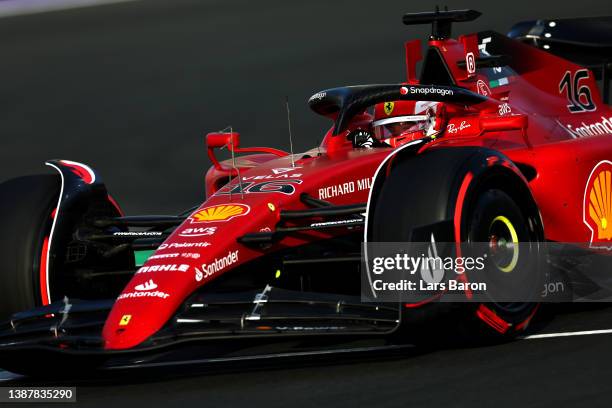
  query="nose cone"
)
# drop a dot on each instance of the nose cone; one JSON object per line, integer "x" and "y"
{"x": 204, "y": 247}
{"x": 143, "y": 309}
{"x": 124, "y": 330}
{"x": 198, "y": 251}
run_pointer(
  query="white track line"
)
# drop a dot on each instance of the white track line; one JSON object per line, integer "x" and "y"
{"x": 11, "y": 8}
{"x": 6, "y": 376}
{"x": 566, "y": 334}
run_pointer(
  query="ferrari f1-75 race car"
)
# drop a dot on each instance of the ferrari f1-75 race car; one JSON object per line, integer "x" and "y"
{"x": 499, "y": 139}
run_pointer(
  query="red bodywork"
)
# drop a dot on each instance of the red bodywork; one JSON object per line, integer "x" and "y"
{"x": 562, "y": 148}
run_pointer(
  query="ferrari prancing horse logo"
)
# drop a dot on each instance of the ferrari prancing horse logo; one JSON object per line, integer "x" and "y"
{"x": 389, "y": 107}
{"x": 598, "y": 205}
{"x": 125, "y": 320}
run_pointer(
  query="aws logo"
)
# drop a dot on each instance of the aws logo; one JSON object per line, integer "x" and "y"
{"x": 598, "y": 205}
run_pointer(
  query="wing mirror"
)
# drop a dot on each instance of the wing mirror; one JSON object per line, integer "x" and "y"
{"x": 221, "y": 139}
{"x": 231, "y": 140}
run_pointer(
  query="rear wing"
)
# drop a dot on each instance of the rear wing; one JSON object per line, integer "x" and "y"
{"x": 441, "y": 21}
{"x": 584, "y": 41}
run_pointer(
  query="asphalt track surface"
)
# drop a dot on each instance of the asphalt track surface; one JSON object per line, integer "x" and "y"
{"x": 572, "y": 368}
{"x": 131, "y": 89}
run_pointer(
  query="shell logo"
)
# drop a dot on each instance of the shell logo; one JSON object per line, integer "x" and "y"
{"x": 220, "y": 213}
{"x": 598, "y": 205}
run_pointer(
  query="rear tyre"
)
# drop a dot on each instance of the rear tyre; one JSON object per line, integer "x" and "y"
{"x": 496, "y": 219}
{"x": 409, "y": 207}
{"x": 26, "y": 207}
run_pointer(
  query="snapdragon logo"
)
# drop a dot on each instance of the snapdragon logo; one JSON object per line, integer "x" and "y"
{"x": 422, "y": 90}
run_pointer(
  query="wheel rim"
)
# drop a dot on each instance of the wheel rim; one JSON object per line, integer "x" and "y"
{"x": 503, "y": 244}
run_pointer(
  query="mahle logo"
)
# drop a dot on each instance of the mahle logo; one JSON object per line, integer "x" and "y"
{"x": 598, "y": 205}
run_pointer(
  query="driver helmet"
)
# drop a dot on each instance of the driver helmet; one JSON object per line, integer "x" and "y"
{"x": 399, "y": 122}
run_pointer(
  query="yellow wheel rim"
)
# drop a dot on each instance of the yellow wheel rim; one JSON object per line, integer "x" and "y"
{"x": 514, "y": 236}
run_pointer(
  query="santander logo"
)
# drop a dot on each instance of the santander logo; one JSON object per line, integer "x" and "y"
{"x": 149, "y": 285}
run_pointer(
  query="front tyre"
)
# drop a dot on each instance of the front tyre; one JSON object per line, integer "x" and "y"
{"x": 27, "y": 206}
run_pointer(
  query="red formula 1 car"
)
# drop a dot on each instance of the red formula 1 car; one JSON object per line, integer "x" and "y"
{"x": 499, "y": 137}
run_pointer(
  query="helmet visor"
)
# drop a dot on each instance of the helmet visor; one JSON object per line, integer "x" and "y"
{"x": 399, "y": 125}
